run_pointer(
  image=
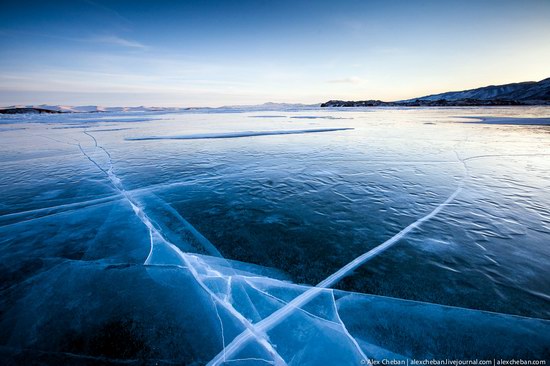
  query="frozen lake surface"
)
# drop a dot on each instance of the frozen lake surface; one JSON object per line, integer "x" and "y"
{"x": 299, "y": 237}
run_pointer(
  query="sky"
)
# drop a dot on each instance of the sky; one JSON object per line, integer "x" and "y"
{"x": 215, "y": 53}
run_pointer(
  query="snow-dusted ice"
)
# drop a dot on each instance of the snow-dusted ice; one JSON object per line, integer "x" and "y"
{"x": 318, "y": 237}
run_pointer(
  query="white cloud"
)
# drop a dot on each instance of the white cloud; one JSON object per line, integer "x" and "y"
{"x": 118, "y": 41}
{"x": 348, "y": 80}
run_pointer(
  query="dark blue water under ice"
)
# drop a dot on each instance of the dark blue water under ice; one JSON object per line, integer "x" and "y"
{"x": 230, "y": 238}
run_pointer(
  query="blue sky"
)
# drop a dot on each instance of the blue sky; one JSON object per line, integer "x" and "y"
{"x": 213, "y": 53}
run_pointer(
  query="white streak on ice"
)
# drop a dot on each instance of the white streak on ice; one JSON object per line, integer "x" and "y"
{"x": 229, "y": 135}
{"x": 348, "y": 334}
{"x": 221, "y": 324}
{"x": 320, "y": 117}
{"x": 53, "y": 210}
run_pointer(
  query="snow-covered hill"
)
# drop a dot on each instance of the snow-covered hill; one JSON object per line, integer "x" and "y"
{"x": 529, "y": 91}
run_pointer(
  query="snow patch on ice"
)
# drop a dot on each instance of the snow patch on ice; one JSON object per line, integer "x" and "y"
{"x": 509, "y": 121}
{"x": 320, "y": 117}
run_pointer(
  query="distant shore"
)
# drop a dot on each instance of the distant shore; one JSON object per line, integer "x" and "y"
{"x": 434, "y": 103}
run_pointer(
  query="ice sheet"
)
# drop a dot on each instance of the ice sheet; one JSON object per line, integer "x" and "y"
{"x": 209, "y": 251}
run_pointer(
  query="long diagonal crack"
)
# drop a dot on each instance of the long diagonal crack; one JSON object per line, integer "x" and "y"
{"x": 278, "y": 316}
{"x": 281, "y": 314}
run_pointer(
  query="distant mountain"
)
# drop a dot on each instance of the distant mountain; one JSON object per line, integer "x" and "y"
{"x": 526, "y": 93}
{"x": 529, "y": 91}
{"x": 269, "y": 106}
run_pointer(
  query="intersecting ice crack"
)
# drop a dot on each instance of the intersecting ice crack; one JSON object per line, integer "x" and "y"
{"x": 250, "y": 283}
{"x": 156, "y": 235}
{"x": 338, "y": 323}
{"x": 278, "y": 316}
{"x": 297, "y": 303}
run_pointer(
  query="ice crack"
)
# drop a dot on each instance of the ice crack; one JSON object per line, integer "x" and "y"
{"x": 154, "y": 233}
